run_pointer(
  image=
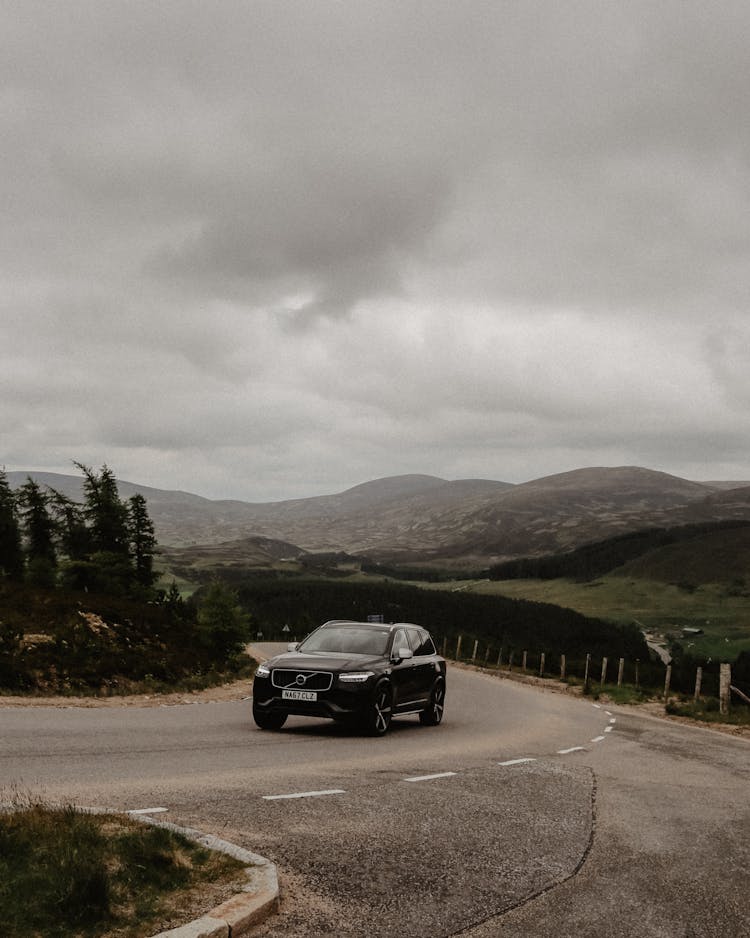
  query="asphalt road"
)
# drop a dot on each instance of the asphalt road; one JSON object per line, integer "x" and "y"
{"x": 525, "y": 813}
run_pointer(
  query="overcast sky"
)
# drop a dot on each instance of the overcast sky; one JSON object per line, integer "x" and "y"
{"x": 265, "y": 250}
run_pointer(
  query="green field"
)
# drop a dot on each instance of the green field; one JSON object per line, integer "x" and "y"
{"x": 660, "y": 608}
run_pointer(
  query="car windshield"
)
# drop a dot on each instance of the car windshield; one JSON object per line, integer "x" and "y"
{"x": 347, "y": 638}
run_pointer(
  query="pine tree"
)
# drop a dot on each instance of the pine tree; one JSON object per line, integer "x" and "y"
{"x": 142, "y": 541}
{"x": 107, "y": 567}
{"x": 39, "y": 529}
{"x": 74, "y": 536}
{"x": 106, "y": 514}
{"x": 222, "y": 626}
{"x": 11, "y": 553}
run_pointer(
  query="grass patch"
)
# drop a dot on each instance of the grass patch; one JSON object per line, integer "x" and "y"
{"x": 66, "y": 874}
{"x": 664, "y": 608}
{"x": 707, "y": 711}
{"x": 625, "y": 694}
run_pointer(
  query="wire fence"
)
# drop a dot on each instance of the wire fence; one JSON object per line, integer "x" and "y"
{"x": 600, "y": 672}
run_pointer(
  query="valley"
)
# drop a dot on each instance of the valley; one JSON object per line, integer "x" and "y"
{"x": 426, "y": 529}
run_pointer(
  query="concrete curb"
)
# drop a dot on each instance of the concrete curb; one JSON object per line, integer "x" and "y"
{"x": 257, "y": 899}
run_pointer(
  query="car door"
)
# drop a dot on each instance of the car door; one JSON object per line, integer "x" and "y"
{"x": 423, "y": 664}
{"x": 401, "y": 673}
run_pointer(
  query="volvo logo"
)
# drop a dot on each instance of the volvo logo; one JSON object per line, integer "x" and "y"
{"x": 300, "y": 679}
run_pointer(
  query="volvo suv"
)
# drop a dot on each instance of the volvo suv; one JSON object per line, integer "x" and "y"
{"x": 359, "y": 673}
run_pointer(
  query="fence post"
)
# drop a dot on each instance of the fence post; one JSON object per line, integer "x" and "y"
{"x": 562, "y": 667}
{"x": 725, "y": 681}
{"x": 637, "y": 673}
{"x": 586, "y": 687}
{"x": 510, "y": 661}
{"x": 541, "y": 665}
{"x": 499, "y": 658}
{"x": 458, "y": 649}
{"x": 474, "y": 653}
{"x": 487, "y": 656}
{"x": 523, "y": 663}
{"x": 698, "y": 682}
{"x": 667, "y": 681}
{"x": 620, "y": 672}
{"x": 604, "y": 672}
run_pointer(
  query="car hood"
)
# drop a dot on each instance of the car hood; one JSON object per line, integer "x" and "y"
{"x": 324, "y": 661}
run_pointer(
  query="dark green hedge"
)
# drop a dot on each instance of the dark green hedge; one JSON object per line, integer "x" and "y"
{"x": 305, "y": 604}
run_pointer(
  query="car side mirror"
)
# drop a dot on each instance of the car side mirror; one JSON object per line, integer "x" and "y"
{"x": 292, "y": 646}
{"x": 401, "y": 654}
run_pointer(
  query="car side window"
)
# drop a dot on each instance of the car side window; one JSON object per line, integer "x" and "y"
{"x": 400, "y": 641}
{"x": 428, "y": 645}
{"x": 415, "y": 640}
{"x": 421, "y": 642}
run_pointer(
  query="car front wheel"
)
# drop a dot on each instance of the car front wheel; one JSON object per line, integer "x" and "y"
{"x": 268, "y": 721}
{"x": 434, "y": 712}
{"x": 380, "y": 710}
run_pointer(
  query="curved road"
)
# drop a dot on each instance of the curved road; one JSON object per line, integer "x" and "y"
{"x": 525, "y": 813}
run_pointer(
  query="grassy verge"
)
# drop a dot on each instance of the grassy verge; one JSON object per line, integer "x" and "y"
{"x": 707, "y": 711}
{"x": 62, "y": 642}
{"x": 65, "y": 874}
{"x": 625, "y": 694}
{"x": 243, "y": 670}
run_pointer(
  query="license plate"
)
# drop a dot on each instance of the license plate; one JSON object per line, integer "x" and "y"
{"x": 299, "y": 695}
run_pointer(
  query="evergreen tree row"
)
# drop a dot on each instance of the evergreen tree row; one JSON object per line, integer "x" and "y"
{"x": 104, "y": 545}
{"x": 509, "y": 623}
{"x": 600, "y": 557}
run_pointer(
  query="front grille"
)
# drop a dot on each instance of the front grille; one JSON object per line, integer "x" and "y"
{"x": 301, "y": 680}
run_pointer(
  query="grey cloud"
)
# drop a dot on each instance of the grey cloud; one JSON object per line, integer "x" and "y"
{"x": 301, "y": 244}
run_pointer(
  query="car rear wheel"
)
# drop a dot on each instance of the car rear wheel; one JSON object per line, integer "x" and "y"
{"x": 268, "y": 721}
{"x": 434, "y": 712}
{"x": 380, "y": 710}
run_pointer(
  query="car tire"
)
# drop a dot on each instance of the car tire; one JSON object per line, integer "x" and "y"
{"x": 433, "y": 714}
{"x": 377, "y": 718}
{"x": 268, "y": 721}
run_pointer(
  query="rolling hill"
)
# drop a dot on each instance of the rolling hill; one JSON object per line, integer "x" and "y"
{"x": 422, "y": 519}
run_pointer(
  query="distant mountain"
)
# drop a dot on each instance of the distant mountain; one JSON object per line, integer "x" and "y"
{"x": 420, "y": 519}
{"x": 562, "y": 511}
{"x": 241, "y": 553}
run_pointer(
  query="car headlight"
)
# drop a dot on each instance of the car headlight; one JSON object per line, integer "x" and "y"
{"x": 262, "y": 671}
{"x": 355, "y": 677}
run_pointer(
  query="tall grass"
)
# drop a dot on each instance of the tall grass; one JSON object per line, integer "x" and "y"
{"x": 67, "y": 874}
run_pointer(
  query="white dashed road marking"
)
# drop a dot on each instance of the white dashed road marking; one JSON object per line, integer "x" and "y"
{"x": 148, "y": 811}
{"x": 419, "y": 778}
{"x": 305, "y": 794}
{"x": 427, "y": 778}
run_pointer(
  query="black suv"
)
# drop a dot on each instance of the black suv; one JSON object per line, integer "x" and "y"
{"x": 359, "y": 673}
